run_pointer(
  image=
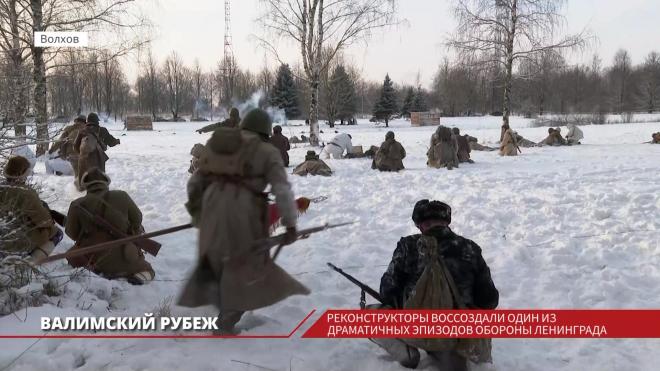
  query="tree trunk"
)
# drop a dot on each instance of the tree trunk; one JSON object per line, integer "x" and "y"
{"x": 39, "y": 78}
{"x": 508, "y": 77}
{"x": 313, "y": 113}
{"x": 18, "y": 108}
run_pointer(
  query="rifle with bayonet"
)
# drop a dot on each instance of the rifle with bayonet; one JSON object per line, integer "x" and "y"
{"x": 116, "y": 243}
{"x": 265, "y": 244}
{"x": 149, "y": 246}
{"x": 365, "y": 289}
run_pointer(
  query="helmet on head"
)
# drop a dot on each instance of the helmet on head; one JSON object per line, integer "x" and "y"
{"x": 93, "y": 118}
{"x": 431, "y": 210}
{"x": 311, "y": 155}
{"x": 456, "y": 131}
{"x": 277, "y": 129}
{"x": 389, "y": 135}
{"x": 257, "y": 121}
{"x": 17, "y": 167}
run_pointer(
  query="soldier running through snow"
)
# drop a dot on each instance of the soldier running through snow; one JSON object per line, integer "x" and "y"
{"x": 119, "y": 210}
{"x": 281, "y": 143}
{"x": 443, "y": 151}
{"x": 232, "y": 122}
{"x": 465, "y": 283}
{"x": 62, "y": 150}
{"x": 340, "y": 144}
{"x": 35, "y": 232}
{"x": 390, "y": 155}
{"x": 90, "y": 145}
{"x": 313, "y": 165}
{"x": 227, "y": 203}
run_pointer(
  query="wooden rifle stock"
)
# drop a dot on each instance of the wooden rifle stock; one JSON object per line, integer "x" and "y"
{"x": 115, "y": 243}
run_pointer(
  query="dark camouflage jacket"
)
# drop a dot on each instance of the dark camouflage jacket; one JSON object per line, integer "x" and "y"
{"x": 462, "y": 258}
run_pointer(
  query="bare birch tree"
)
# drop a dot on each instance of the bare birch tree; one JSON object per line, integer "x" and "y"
{"x": 317, "y": 25}
{"x": 504, "y": 32}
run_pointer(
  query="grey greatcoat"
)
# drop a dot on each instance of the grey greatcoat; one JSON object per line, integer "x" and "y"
{"x": 231, "y": 214}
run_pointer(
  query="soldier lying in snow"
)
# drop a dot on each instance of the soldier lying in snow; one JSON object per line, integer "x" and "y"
{"x": 313, "y": 165}
{"x": 464, "y": 283}
{"x": 475, "y": 146}
{"x": 35, "y": 232}
{"x": 118, "y": 209}
{"x": 390, "y": 155}
{"x": 656, "y": 138}
{"x": 554, "y": 138}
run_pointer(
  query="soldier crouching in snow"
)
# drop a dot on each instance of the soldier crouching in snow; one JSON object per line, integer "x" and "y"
{"x": 417, "y": 262}
{"x": 117, "y": 209}
{"x": 227, "y": 203}
{"x": 35, "y": 233}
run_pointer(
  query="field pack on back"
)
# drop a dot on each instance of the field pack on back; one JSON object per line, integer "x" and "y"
{"x": 228, "y": 153}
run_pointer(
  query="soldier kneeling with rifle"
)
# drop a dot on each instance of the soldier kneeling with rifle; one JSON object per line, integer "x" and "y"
{"x": 101, "y": 216}
{"x": 436, "y": 269}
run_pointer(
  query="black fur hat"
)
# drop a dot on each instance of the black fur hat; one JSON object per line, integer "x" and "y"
{"x": 431, "y": 210}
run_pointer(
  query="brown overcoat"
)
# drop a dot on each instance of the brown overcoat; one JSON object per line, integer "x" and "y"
{"x": 389, "y": 156}
{"x": 117, "y": 208}
{"x": 463, "y": 148}
{"x": 282, "y": 144}
{"x": 509, "y": 145}
{"x": 98, "y": 157}
{"x": 231, "y": 214}
{"x": 313, "y": 167}
{"x": 37, "y": 226}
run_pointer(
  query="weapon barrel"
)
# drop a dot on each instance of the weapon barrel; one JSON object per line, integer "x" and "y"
{"x": 114, "y": 243}
{"x": 373, "y": 293}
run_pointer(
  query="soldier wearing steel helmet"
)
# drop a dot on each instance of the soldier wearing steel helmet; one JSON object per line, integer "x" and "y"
{"x": 234, "y": 169}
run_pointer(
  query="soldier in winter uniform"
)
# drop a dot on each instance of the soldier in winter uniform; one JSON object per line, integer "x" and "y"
{"x": 195, "y": 152}
{"x": 554, "y": 138}
{"x": 118, "y": 209}
{"x": 509, "y": 144}
{"x": 464, "y": 263}
{"x": 463, "y": 146}
{"x": 227, "y": 203}
{"x": 232, "y": 122}
{"x": 574, "y": 135}
{"x": 390, "y": 155}
{"x": 656, "y": 138}
{"x": 443, "y": 151}
{"x": 475, "y": 146}
{"x": 313, "y": 165}
{"x": 340, "y": 144}
{"x": 63, "y": 149}
{"x": 90, "y": 145}
{"x": 281, "y": 143}
{"x": 36, "y": 233}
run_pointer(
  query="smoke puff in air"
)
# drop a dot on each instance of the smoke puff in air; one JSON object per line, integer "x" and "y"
{"x": 255, "y": 101}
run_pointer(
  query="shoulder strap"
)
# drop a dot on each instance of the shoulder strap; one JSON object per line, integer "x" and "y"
{"x": 452, "y": 285}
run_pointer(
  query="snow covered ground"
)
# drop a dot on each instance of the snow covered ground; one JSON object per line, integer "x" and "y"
{"x": 571, "y": 227}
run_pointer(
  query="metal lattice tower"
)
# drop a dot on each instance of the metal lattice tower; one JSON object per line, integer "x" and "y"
{"x": 229, "y": 54}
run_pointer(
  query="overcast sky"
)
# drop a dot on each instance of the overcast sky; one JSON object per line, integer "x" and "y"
{"x": 195, "y": 29}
